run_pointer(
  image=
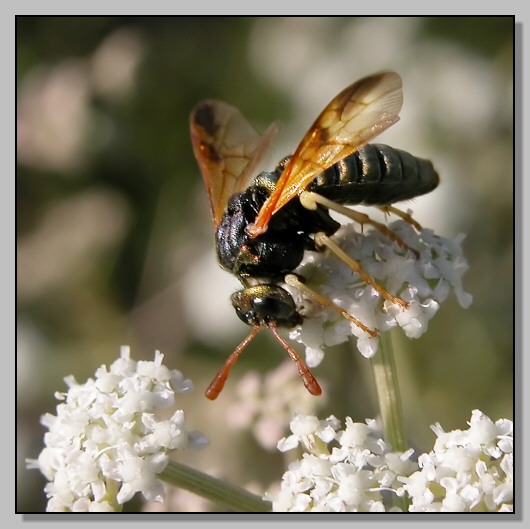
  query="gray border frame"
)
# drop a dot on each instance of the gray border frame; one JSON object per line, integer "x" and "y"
{"x": 522, "y": 292}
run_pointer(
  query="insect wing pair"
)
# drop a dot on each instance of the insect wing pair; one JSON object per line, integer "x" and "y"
{"x": 228, "y": 149}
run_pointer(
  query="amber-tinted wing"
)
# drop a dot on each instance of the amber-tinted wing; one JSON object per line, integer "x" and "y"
{"x": 227, "y": 150}
{"x": 356, "y": 115}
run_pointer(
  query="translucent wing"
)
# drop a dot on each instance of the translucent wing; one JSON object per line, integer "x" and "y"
{"x": 227, "y": 150}
{"x": 356, "y": 115}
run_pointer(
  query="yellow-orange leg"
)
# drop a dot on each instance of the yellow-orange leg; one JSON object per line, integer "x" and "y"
{"x": 321, "y": 239}
{"x": 407, "y": 217}
{"x": 309, "y": 200}
{"x": 293, "y": 281}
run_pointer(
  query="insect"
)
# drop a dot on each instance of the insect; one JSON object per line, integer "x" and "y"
{"x": 265, "y": 224}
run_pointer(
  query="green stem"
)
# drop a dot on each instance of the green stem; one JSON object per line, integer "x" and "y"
{"x": 231, "y": 496}
{"x": 386, "y": 382}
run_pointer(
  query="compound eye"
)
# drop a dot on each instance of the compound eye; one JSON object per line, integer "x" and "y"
{"x": 246, "y": 316}
{"x": 265, "y": 305}
{"x": 272, "y": 307}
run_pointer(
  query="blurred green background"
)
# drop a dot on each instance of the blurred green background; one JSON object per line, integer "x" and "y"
{"x": 114, "y": 233}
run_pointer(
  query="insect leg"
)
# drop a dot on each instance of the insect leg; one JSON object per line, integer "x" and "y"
{"x": 219, "y": 381}
{"x": 407, "y": 217}
{"x": 309, "y": 200}
{"x": 321, "y": 239}
{"x": 293, "y": 281}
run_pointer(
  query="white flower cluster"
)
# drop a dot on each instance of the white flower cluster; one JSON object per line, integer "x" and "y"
{"x": 342, "y": 471}
{"x": 352, "y": 470}
{"x": 106, "y": 443}
{"x": 423, "y": 282}
{"x": 470, "y": 470}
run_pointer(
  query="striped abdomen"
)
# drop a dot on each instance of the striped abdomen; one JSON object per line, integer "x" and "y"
{"x": 376, "y": 174}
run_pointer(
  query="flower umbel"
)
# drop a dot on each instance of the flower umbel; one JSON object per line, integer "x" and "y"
{"x": 352, "y": 469}
{"x": 342, "y": 470}
{"x": 424, "y": 282}
{"x": 467, "y": 471}
{"x": 106, "y": 443}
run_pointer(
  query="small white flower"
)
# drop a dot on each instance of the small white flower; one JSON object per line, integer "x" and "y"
{"x": 467, "y": 470}
{"x": 342, "y": 470}
{"x": 308, "y": 430}
{"x": 351, "y": 469}
{"x": 106, "y": 442}
{"x": 424, "y": 282}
